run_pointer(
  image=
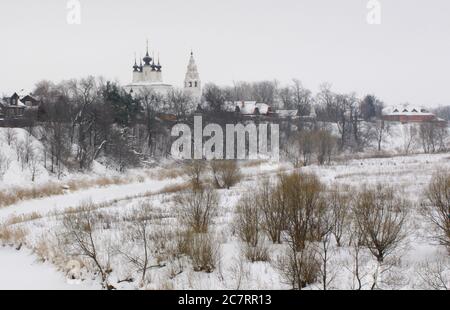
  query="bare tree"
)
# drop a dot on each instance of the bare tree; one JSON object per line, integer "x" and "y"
{"x": 180, "y": 103}
{"x": 33, "y": 163}
{"x": 324, "y": 145}
{"x": 10, "y": 136}
{"x": 382, "y": 131}
{"x": 80, "y": 237}
{"x": 265, "y": 91}
{"x": 215, "y": 97}
{"x": 4, "y": 164}
{"x": 305, "y": 144}
{"x": 381, "y": 216}
{"x": 435, "y": 274}
{"x": 428, "y": 137}
{"x": 359, "y": 259}
{"x": 141, "y": 235}
{"x": 302, "y": 97}
{"x": 152, "y": 104}
{"x": 271, "y": 202}
{"x": 409, "y": 138}
{"x": 340, "y": 205}
{"x": 437, "y": 208}
{"x": 325, "y": 226}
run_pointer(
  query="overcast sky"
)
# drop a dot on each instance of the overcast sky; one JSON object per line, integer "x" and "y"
{"x": 405, "y": 59}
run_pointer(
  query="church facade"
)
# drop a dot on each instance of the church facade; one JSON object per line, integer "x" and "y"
{"x": 148, "y": 76}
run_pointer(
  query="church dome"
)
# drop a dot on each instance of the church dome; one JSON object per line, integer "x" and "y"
{"x": 158, "y": 66}
{"x": 147, "y": 59}
{"x": 135, "y": 67}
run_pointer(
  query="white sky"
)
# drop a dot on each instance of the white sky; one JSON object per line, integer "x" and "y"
{"x": 406, "y": 58}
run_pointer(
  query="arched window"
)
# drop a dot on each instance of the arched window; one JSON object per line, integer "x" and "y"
{"x": 196, "y": 84}
{"x": 190, "y": 84}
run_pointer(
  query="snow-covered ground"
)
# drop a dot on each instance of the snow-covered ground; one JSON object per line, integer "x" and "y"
{"x": 39, "y": 220}
{"x": 19, "y": 270}
{"x": 409, "y": 174}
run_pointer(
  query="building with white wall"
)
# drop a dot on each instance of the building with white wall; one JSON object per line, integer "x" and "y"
{"x": 148, "y": 75}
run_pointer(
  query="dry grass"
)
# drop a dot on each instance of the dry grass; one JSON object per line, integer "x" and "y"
{"x": 18, "y": 219}
{"x": 365, "y": 174}
{"x": 8, "y": 198}
{"x": 252, "y": 163}
{"x": 172, "y": 189}
{"x": 20, "y": 194}
{"x": 12, "y": 235}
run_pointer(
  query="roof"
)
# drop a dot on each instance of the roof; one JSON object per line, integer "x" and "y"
{"x": 287, "y": 113}
{"x": 406, "y": 110}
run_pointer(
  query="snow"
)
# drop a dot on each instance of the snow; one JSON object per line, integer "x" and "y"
{"x": 20, "y": 271}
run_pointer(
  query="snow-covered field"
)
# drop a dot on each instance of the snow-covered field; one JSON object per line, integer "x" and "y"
{"x": 41, "y": 263}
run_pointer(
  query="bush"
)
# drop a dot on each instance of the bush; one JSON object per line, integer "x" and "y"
{"x": 247, "y": 221}
{"x": 258, "y": 253}
{"x": 226, "y": 173}
{"x": 197, "y": 208}
{"x": 194, "y": 170}
{"x": 302, "y": 196}
{"x": 248, "y": 226}
{"x": 271, "y": 202}
{"x": 299, "y": 269}
{"x": 201, "y": 248}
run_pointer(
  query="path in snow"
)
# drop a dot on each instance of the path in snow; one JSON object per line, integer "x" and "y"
{"x": 20, "y": 271}
{"x": 94, "y": 195}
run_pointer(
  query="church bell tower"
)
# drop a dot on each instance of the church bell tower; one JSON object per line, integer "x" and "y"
{"x": 192, "y": 82}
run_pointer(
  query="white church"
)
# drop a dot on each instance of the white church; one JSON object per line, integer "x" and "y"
{"x": 148, "y": 75}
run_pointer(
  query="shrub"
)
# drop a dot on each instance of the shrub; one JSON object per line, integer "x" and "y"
{"x": 249, "y": 228}
{"x": 271, "y": 202}
{"x": 195, "y": 169}
{"x": 302, "y": 198}
{"x": 226, "y": 173}
{"x": 197, "y": 207}
{"x": 258, "y": 253}
{"x": 201, "y": 248}
{"x": 247, "y": 221}
{"x": 299, "y": 269}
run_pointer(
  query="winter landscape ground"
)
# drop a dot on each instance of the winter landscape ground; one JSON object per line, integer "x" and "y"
{"x": 36, "y": 253}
